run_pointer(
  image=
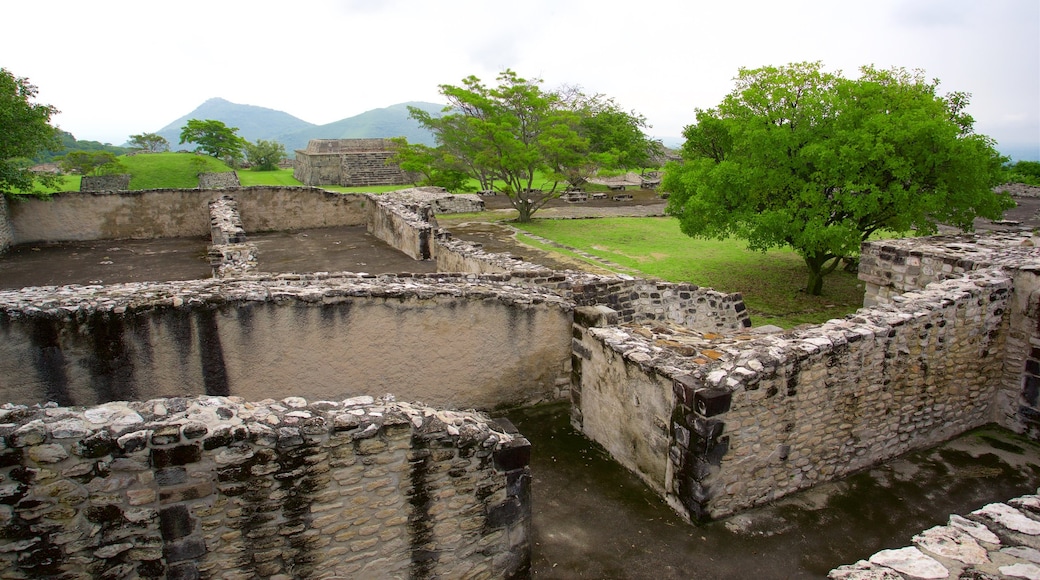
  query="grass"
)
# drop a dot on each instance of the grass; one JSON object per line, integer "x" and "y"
{"x": 771, "y": 282}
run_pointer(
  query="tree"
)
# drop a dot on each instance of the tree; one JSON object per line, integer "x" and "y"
{"x": 151, "y": 142}
{"x": 434, "y": 165}
{"x": 90, "y": 163}
{"x": 215, "y": 139}
{"x": 25, "y": 132}
{"x": 264, "y": 155}
{"x": 798, "y": 157}
{"x": 511, "y": 134}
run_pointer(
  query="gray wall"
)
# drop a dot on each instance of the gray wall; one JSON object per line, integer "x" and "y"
{"x": 458, "y": 345}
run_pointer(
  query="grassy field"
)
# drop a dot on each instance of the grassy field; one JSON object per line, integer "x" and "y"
{"x": 770, "y": 281}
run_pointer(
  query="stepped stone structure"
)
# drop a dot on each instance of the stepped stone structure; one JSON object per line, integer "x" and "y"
{"x": 348, "y": 162}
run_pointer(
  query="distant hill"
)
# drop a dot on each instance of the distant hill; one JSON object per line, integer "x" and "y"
{"x": 261, "y": 123}
{"x": 392, "y": 121}
{"x": 253, "y": 122}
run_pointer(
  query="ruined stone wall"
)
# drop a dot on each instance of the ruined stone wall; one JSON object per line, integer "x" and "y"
{"x": 217, "y": 487}
{"x": 6, "y": 233}
{"x": 463, "y": 344}
{"x": 348, "y": 162}
{"x": 162, "y": 213}
{"x": 891, "y": 267}
{"x": 229, "y": 253}
{"x": 1017, "y": 405}
{"x": 218, "y": 180}
{"x": 370, "y": 168}
{"x": 719, "y": 423}
{"x": 120, "y": 182}
{"x": 404, "y": 227}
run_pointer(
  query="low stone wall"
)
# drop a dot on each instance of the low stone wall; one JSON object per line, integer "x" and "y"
{"x": 997, "y": 540}
{"x": 1019, "y": 189}
{"x": 405, "y": 227}
{"x": 456, "y": 344}
{"x": 439, "y": 199}
{"x": 163, "y": 213}
{"x": 218, "y": 487}
{"x": 721, "y": 422}
{"x": 892, "y": 267}
{"x": 219, "y": 180}
{"x": 120, "y": 182}
{"x": 6, "y": 234}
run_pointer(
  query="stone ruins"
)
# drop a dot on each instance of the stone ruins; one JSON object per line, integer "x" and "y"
{"x": 148, "y": 423}
{"x": 348, "y": 162}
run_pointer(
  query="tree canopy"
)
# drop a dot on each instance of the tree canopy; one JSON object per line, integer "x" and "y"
{"x": 523, "y": 140}
{"x": 91, "y": 163}
{"x": 25, "y": 132}
{"x": 214, "y": 138}
{"x": 151, "y": 142}
{"x": 795, "y": 156}
{"x": 264, "y": 155}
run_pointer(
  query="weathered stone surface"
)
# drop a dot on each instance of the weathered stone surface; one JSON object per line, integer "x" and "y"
{"x": 910, "y": 561}
{"x": 951, "y": 542}
{"x": 1010, "y": 518}
{"x": 287, "y": 500}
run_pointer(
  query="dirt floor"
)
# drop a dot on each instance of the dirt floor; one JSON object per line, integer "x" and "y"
{"x": 594, "y": 519}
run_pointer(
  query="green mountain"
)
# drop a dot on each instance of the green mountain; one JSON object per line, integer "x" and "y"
{"x": 392, "y": 121}
{"x": 253, "y": 122}
{"x": 261, "y": 123}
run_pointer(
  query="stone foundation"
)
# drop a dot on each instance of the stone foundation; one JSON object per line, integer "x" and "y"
{"x": 218, "y": 487}
{"x": 348, "y": 162}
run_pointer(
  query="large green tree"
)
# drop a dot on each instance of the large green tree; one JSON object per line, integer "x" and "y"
{"x": 795, "y": 156}
{"x": 150, "y": 142}
{"x": 91, "y": 163}
{"x": 25, "y": 131}
{"x": 264, "y": 155}
{"x": 514, "y": 134}
{"x": 432, "y": 165}
{"x": 214, "y": 138}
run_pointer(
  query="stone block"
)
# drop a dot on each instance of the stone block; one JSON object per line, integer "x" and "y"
{"x": 711, "y": 402}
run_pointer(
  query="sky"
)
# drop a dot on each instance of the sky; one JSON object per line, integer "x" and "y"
{"x": 119, "y": 68}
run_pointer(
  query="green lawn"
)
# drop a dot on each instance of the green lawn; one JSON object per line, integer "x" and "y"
{"x": 770, "y": 281}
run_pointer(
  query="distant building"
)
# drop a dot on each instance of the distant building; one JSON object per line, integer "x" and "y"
{"x": 348, "y": 162}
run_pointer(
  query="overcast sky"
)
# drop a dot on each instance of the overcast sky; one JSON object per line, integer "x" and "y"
{"x": 118, "y": 68}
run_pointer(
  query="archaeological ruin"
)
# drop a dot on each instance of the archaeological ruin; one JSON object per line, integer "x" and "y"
{"x": 260, "y": 424}
{"x": 348, "y": 162}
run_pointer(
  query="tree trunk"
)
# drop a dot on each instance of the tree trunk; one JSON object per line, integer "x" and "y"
{"x": 815, "y": 263}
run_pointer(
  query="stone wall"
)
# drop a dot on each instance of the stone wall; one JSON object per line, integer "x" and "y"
{"x": 718, "y": 422}
{"x": 1019, "y": 189}
{"x": 891, "y": 267}
{"x": 230, "y": 254}
{"x": 120, "y": 182}
{"x": 217, "y": 487}
{"x": 453, "y": 343}
{"x": 6, "y": 233}
{"x": 348, "y": 162}
{"x": 218, "y": 180}
{"x": 439, "y": 200}
{"x": 162, "y": 213}
{"x": 405, "y": 227}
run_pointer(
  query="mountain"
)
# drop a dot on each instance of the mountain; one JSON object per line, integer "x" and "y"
{"x": 253, "y": 122}
{"x": 392, "y": 121}
{"x": 261, "y": 123}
